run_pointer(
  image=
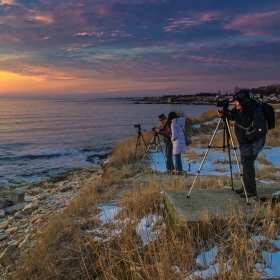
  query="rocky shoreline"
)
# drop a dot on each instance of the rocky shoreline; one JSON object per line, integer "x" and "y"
{"x": 19, "y": 222}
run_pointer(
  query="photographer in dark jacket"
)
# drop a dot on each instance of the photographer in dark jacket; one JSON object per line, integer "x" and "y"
{"x": 165, "y": 131}
{"x": 250, "y": 129}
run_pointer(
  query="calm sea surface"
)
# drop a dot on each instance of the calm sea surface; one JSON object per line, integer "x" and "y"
{"x": 44, "y": 138}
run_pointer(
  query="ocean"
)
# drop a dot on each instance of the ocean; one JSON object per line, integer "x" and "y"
{"x": 43, "y": 138}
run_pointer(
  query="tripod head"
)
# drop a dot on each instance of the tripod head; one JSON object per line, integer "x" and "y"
{"x": 139, "y": 128}
{"x": 154, "y": 130}
{"x": 225, "y": 112}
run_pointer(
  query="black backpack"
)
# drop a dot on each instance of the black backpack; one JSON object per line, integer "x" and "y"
{"x": 268, "y": 112}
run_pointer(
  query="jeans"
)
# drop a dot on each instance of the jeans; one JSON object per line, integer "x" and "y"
{"x": 169, "y": 156}
{"x": 249, "y": 173}
{"x": 178, "y": 163}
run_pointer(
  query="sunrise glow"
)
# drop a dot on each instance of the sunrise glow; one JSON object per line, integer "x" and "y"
{"x": 116, "y": 48}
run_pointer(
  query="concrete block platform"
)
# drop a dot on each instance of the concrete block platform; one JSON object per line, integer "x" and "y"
{"x": 219, "y": 202}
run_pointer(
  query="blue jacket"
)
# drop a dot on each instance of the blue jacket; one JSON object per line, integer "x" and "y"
{"x": 250, "y": 128}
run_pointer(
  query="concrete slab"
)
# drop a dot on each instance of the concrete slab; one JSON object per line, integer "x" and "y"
{"x": 220, "y": 202}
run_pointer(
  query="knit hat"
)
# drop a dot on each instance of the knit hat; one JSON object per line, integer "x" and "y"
{"x": 161, "y": 117}
{"x": 242, "y": 96}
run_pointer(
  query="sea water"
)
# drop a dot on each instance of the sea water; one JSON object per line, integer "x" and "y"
{"x": 42, "y": 138}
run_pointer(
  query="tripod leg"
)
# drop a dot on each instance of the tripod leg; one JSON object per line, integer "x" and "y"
{"x": 147, "y": 151}
{"x": 156, "y": 144}
{"x": 209, "y": 146}
{"x": 138, "y": 142}
{"x": 237, "y": 162}
{"x": 229, "y": 156}
{"x": 226, "y": 145}
{"x": 160, "y": 146}
{"x": 143, "y": 139}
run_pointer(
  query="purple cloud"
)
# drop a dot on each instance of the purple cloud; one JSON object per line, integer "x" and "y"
{"x": 177, "y": 25}
{"x": 257, "y": 24}
{"x": 145, "y": 41}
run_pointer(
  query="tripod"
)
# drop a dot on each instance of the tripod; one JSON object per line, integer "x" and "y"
{"x": 156, "y": 141}
{"x": 139, "y": 138}
{"x": 227, "y": 141}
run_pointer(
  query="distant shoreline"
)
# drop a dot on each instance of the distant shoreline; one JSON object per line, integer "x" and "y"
{"x": 185, "y": 103}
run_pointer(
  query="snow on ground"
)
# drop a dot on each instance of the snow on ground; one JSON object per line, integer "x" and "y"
{"x": 148, "y": 228}
{"x": 216, "y": 163}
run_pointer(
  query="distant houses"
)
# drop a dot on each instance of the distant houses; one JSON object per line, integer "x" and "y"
{"x": 269, "y": 94}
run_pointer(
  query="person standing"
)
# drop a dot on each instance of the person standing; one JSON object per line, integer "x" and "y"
{"x": 165, "y": 131}
{"x": 250, "y": 128}
{"x": 177, "y": 125}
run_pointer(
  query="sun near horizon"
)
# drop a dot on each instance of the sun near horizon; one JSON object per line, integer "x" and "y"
{"x": 20, "y": 85}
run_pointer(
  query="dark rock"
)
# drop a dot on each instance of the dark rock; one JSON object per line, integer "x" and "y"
{"x": 9, "y": 256}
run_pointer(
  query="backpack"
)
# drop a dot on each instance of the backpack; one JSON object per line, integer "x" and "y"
{"x": 188, "y": 139}
{"x": 268, "y": 112}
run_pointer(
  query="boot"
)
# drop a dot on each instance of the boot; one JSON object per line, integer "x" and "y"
{"x": 239, "y": 191}
{"x": 248, "y": 194}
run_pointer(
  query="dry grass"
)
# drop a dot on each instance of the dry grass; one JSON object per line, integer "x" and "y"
{"x": 192, "y": 155}
{"x": 66, "y": 248}
{"x": 273, "y": 135}
{"x": 208, "y": 116}
{"x": 126, "y": 151}
{"x": 67, "y": 251}
{"x": 263, "y": 160}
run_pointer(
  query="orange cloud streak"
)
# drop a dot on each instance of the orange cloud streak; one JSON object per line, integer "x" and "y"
{"x": 16, "y": 84}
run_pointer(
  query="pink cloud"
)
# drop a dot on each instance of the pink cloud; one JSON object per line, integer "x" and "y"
{"x": 256, "y": 24}
{"x": 177, "y": 25}
{"x": 96, "y": 33}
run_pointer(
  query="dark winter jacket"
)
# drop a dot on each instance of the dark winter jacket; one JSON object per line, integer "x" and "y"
{"x": 166, "y": 133}
{"x": 250, "y": 128}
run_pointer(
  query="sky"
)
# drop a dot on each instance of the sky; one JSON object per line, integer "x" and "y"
{"x": 118, "y": 48}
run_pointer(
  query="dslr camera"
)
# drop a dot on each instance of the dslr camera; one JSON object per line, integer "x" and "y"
{"x": 223, "y": 103}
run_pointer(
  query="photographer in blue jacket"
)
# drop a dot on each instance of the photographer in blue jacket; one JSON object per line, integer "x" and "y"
{"x": 250, "y": 129}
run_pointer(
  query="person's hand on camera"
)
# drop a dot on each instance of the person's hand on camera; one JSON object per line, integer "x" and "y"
{"x": 220, "y": 113}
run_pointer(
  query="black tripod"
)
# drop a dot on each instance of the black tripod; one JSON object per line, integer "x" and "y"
{"x": 155, "y": 141}
{"x": 139, "y": 138}
{"x": 227, "y": 141}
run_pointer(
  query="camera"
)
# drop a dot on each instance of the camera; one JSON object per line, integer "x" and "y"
{"x": 137, "y": 126}
{"x": 223, "y": 103}
{"x": 154, "y": 128}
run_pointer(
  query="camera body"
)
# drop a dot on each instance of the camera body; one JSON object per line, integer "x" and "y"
{"x": 137, "y": 126}
{"x": 154, "y": 128}
{"x": 223, "y": 103}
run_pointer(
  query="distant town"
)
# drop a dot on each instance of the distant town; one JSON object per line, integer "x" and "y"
{"x": 270, "y": 94}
